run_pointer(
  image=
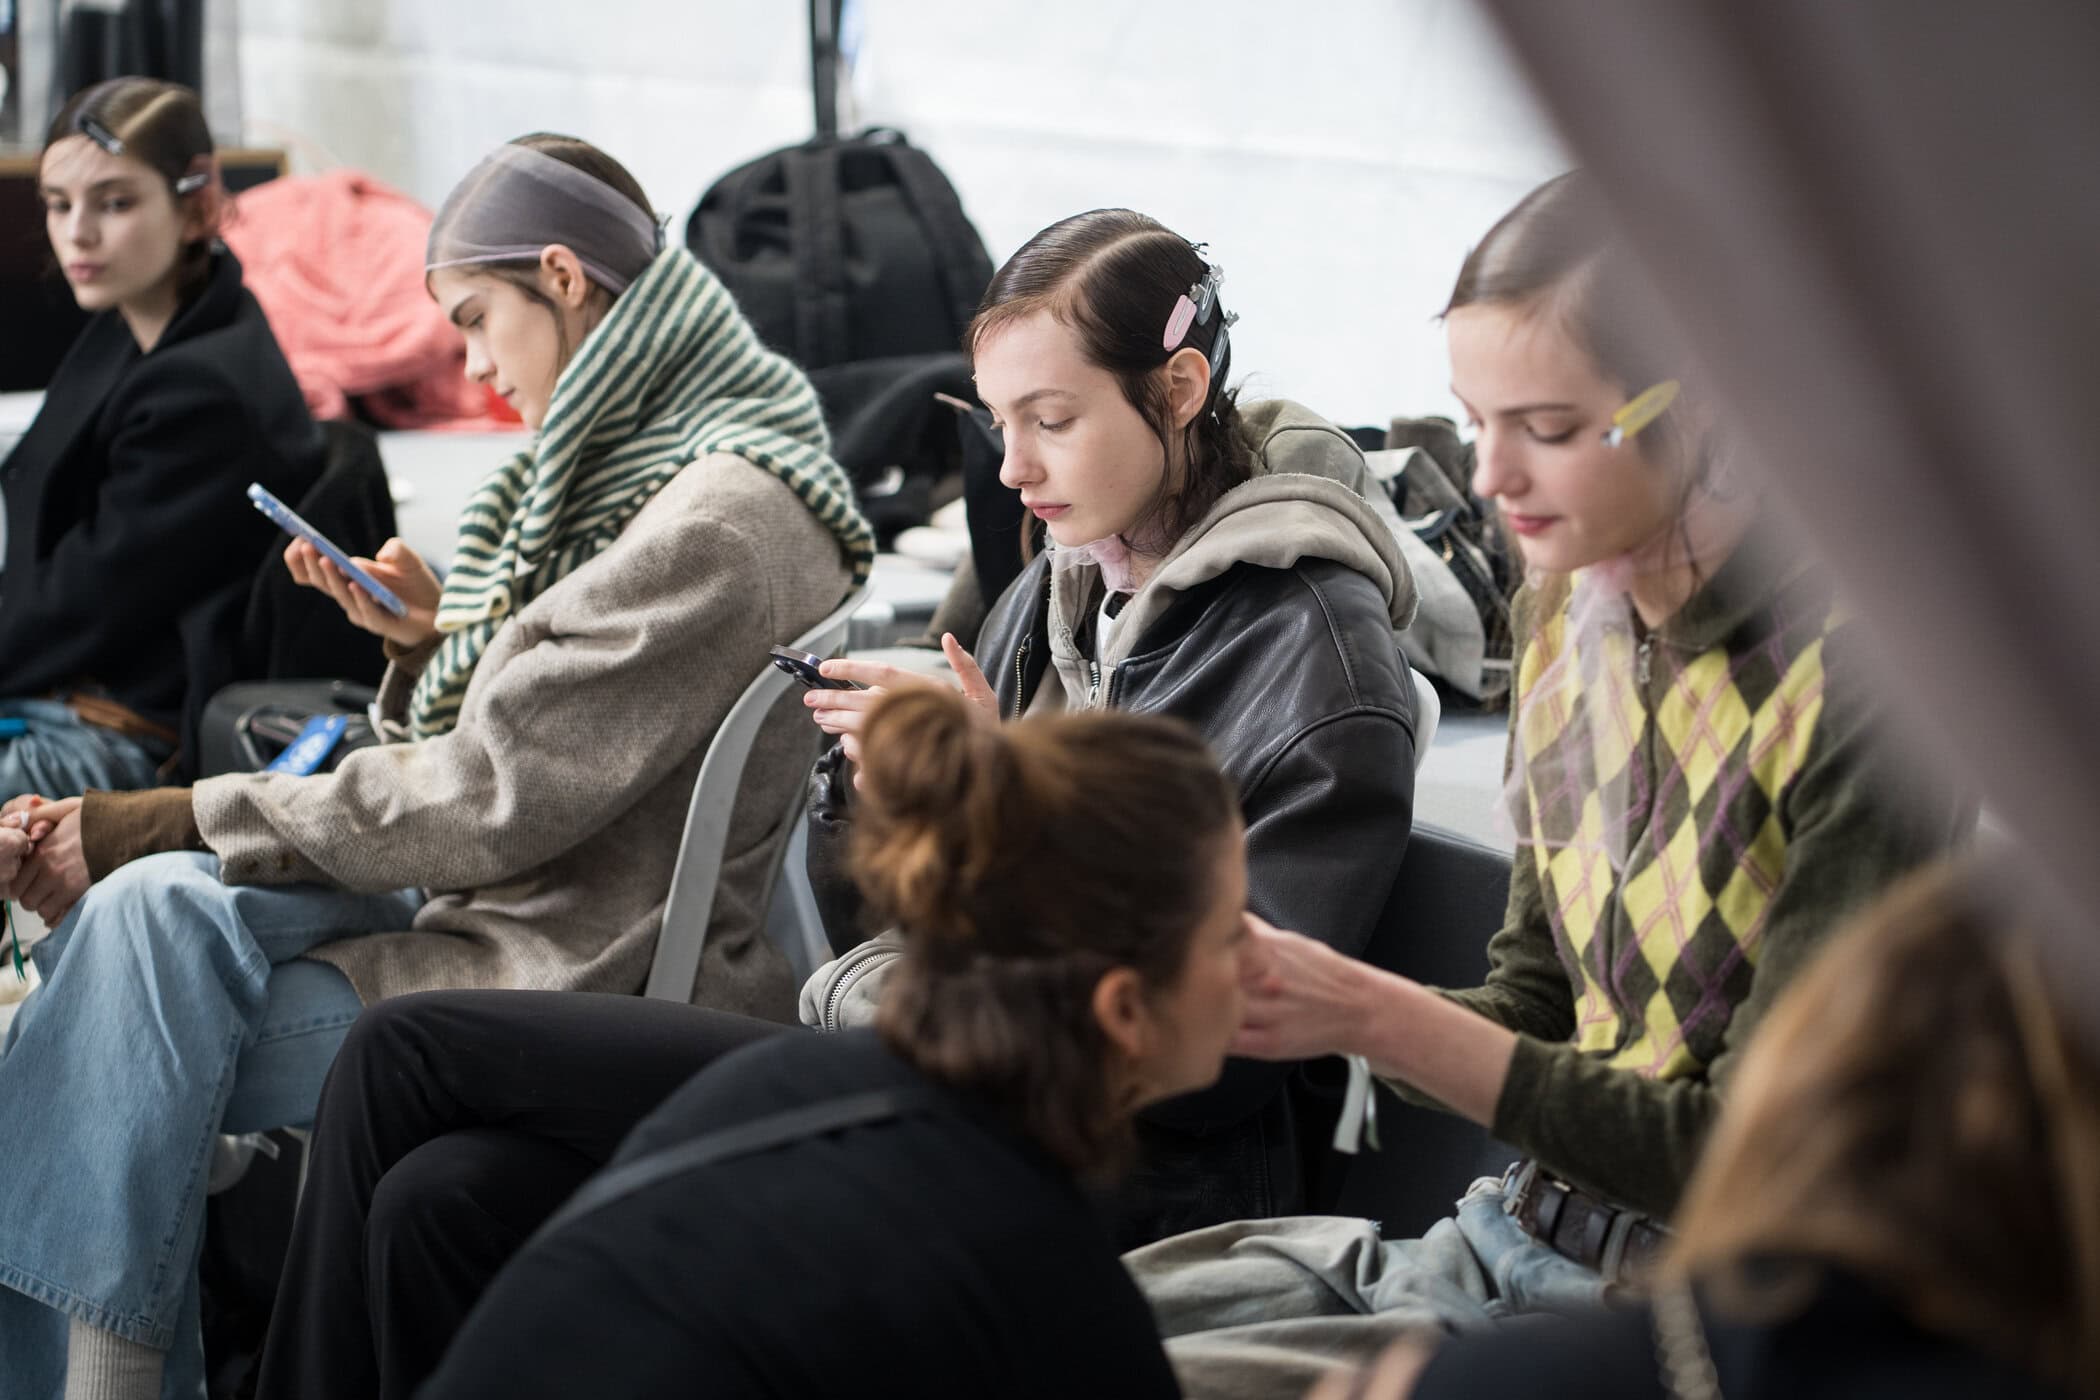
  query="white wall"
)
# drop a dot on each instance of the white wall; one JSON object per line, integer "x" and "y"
{"x": 1339, "y": 155}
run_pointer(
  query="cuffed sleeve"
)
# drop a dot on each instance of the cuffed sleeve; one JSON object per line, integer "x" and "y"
{"x": 117, "y": 828}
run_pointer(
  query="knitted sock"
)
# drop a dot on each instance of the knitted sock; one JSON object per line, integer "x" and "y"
{"x": 104, "y": 1366}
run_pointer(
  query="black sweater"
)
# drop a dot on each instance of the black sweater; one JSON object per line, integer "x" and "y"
{"x": 131, "y": 545}
{"x": 928, "y": 1255}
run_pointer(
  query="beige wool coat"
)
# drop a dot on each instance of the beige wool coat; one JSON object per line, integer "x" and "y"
{"x": 544, "y": 827}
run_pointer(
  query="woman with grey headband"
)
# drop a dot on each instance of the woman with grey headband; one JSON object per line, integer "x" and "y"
{"x": 616, "y": 586}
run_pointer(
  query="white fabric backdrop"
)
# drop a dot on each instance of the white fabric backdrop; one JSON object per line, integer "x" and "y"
{"x": 1339, "y": 157}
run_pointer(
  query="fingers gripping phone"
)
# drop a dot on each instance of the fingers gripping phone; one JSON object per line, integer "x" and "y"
{"x": 288, "y": 520}
{"x": 803, "y": 667}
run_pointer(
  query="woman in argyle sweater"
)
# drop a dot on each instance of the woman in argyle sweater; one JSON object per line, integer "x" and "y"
{"x": 616, "y": 586}
{"x": 1698, "y": 796}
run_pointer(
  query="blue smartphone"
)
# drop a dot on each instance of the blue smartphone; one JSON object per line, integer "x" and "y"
{"x": 288, "y": 520}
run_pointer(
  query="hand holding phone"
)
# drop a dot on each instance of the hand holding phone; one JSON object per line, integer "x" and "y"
{"x": 802, "y": 665}
{"x": 288, "y": 520}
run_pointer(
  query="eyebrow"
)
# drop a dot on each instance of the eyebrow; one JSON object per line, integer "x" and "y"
{"x": 1034, "y": 394}
{"x": 117, "y": 181}
{"x": 1523, "y": 408}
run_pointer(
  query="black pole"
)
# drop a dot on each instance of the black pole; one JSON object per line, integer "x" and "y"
{"x": 824, "y": 64}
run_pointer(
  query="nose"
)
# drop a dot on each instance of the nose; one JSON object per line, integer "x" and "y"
{"x": 480, "y": 368}
{"x": 1019, "y": 467}
{"x": 1497, "y": 465}
{"x": 79, "y": 227}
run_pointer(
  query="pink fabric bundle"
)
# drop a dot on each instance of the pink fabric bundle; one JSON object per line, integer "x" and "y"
{"x": 337, "y": 262}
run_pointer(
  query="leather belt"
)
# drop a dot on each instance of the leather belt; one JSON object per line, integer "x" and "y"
{"x": 1622, "y": 1245}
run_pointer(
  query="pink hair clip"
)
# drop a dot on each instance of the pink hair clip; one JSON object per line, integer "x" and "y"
{"x": 1178, "y": 322}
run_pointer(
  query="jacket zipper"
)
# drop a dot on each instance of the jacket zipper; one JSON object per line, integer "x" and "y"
{"x": 1093, "y": 685}
{"x": 1642, "y": 659}
{"x": 1020, "y": 673}
{"x": 858, "y": 963}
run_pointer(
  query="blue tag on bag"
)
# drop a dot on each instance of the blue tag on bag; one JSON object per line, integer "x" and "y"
{"x": 13, "y": 728}
{"x": 311, "y": 749}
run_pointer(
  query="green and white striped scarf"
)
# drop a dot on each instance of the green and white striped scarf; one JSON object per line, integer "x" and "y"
{"x": 671, "y": 374}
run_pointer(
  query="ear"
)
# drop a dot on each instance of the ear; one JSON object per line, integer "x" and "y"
{"x": 1188, "y": 384}
{"x": 202, "y": 209}
{"x": 1119, "y": 1008}
{"x": 562, "y": 277}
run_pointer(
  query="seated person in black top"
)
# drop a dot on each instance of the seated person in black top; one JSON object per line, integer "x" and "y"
{"x": 1898, "y": 1200}
{"x": 1071, "y": 891}
{"x": 130, "y": 546}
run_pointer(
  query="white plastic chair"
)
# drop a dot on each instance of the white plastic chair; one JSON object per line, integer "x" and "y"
{"x": 693, "y": 880}
{"x": 1429, "y": 708}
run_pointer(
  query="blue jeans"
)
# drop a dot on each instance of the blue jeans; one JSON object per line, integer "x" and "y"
{"x": 1263, "y": 1308}
{"x": 63, "y": 756}
{"x": 174, "y": 1007}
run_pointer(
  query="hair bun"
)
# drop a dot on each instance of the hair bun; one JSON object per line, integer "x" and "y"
{"x": 942, "y": 793}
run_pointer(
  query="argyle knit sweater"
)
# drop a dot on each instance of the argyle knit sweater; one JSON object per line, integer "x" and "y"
{"x": 1768, "y": 811}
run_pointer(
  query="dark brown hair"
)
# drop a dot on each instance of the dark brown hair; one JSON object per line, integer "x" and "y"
{"x": 1916, "y": 1110}
{"x": 1114, "y": 277}
{"x": 162, "y": 126}
{"x": 581, "y": 155}
{"x": 1023, "y": 862}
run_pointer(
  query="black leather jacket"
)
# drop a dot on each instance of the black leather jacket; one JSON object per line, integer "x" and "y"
{"x": 1293, "y": 678}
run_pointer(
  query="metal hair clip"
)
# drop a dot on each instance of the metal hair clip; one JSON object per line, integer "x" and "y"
{"x": 1641, "y": 410}
{"x": 99, "y": 134}
{"x": 192, "y": 182}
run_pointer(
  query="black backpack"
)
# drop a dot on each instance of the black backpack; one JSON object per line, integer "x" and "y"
{"x": 843, "y": 248}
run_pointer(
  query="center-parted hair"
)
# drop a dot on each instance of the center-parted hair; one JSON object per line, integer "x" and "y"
{"x": 1113, "y": 275}
{"x": 1023, "y": 861}
{"x": 161, "y": 125}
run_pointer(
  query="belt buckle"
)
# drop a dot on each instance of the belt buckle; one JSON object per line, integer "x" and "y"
{"x": 1524, "y": 1194}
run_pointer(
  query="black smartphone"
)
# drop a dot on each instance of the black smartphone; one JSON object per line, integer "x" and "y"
{"x": 803, "y": 667}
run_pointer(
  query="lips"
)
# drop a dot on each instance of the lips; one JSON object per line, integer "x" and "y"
{"x": 1527, "y": 524}
{"x": 83, "y": 272}
{"x": 1046, "y": 510}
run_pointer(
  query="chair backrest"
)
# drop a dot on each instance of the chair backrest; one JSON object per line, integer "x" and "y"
{"x": 692, "y": 898}
{"x": 1448, "y": 899}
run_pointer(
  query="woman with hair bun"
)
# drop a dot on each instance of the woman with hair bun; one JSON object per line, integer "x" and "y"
{"x": 901, "y": 1213}
{"x": 1216, "y": 562}
{"x": 129, "y": 541}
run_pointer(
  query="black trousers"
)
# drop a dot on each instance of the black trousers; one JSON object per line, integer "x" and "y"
{"x": 451, "y": 1126}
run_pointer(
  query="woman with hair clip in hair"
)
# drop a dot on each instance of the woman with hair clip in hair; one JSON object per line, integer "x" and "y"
{"x": 129, "y": 539}
{"x": 616, "y": 587}
{"x": 895, "y": 1213}
{"x": 1218, "y": 564}
{"x": 1700, "y": 791}
{"x": 1897, "y": 1201}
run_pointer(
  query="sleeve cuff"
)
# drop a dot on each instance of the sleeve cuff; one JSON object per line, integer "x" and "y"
{"x": 117, "y": 828}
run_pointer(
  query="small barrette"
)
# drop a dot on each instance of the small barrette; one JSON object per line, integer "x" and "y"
{"x": 193, "y": 182}
{"x": 99, "y": 134}
{"x": 1641, "y": 410}
{"x": 1194, "y": 306}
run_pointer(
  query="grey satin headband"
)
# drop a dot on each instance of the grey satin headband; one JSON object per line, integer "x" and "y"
{"x": 518, "y": 200}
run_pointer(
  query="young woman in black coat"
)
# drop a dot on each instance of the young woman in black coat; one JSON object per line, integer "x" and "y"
{"x": 130, "y": 545}
{"x": 894, "y": 1212}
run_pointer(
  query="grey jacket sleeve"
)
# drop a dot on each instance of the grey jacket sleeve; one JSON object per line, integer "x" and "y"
{"x": 580, "y": 706}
